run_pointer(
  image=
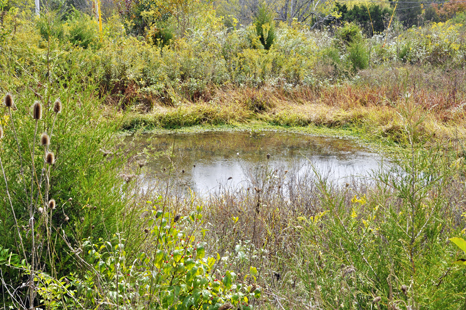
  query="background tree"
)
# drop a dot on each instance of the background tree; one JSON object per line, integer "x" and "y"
{"x": 408, "y": 12}
{"x": 372, "y": 19}
{"x": 449, "y": 9}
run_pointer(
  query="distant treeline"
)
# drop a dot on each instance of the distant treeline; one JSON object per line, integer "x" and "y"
{"x": 374, "y": 18}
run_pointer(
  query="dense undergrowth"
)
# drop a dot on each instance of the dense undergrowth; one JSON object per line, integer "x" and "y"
{"x": 79, "y": 230}
{"x": 197, "y": 74}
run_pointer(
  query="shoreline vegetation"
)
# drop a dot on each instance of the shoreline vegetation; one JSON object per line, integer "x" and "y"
{"x": 79, "y": 229}
{"x": 379, "y": 120}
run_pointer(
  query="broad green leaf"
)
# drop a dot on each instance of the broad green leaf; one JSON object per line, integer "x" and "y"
{"x": 177, "y": 255}
{"x": 200, "y": 252}
{"x": 158, "y": 258}
{"x": 460, "y": 242}
{"x": 227, "y": 280}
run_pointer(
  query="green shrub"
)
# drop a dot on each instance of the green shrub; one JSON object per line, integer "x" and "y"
{"x": 50, "y": 25}
{"x": 403, "y": 53}
{"x": 349, "y": 33}
{"x": 264, "y": 25}
{"x": 358, "y": 55}
{"x": 83, "y": 30}
{"x": 160, "y": 36}
{"x": 83, "y": 181}
{"x": 371, "y": 18}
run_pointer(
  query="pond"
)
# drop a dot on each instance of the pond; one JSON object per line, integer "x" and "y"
{"x": 205, "y": 162}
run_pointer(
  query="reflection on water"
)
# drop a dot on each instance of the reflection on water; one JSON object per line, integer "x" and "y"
{"x": 205, "y": 161}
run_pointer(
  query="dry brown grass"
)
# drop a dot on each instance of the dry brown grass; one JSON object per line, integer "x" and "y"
{"x": 368, "y": 105}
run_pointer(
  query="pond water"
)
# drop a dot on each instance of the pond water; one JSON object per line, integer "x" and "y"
{"x": 207, "y": 161}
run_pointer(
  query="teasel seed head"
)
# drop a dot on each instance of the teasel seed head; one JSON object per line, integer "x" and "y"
{"x": 177, "y": 218}
{"x": 52, "y": 204}
{"x": 9, "y": 103}
{"x": 1, "y": 132}
{"x": 41, "y": 210}
{"x": 57, "y": 106}
{"x": 404, "y": 288}
{"x": 45, "y": 139}
{"x": 66, "y": 218}
{"x": 226, "y": 306}
{"x": 50, "y": 158}
{"x": 37, "y": 110}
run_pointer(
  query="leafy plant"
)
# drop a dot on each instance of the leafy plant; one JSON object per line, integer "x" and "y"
{"x": 264, "y": 25}
{"x": 348, "y": 34}
{"x": 50, "y": 25}
{"x": 83, "y": 30}
{"x": 173, "y": 272}
{"x": 358, "y": 55}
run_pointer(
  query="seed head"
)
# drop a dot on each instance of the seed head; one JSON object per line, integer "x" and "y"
{"x": 52, "y": 204}
{"x": 177, "y": 218}
{"x": 50, "y": 158}
{"x": 376, "y": 300}
{"x": 66, "y": 218}
{"x": 57, "y": 106}
{"x": 37, "y": 110}
{"x": 1, "y": 132}
{"x": 226, "y": 307}
{"x": 404, "y": 288}
{"x": 9, "y": 101}
{"x": 268, "y": 156}
{"x": 41, "y": 210}
{"x": 45, "y": 139}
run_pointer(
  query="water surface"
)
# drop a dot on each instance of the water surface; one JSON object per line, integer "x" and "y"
{"x": 204, "y": 162}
